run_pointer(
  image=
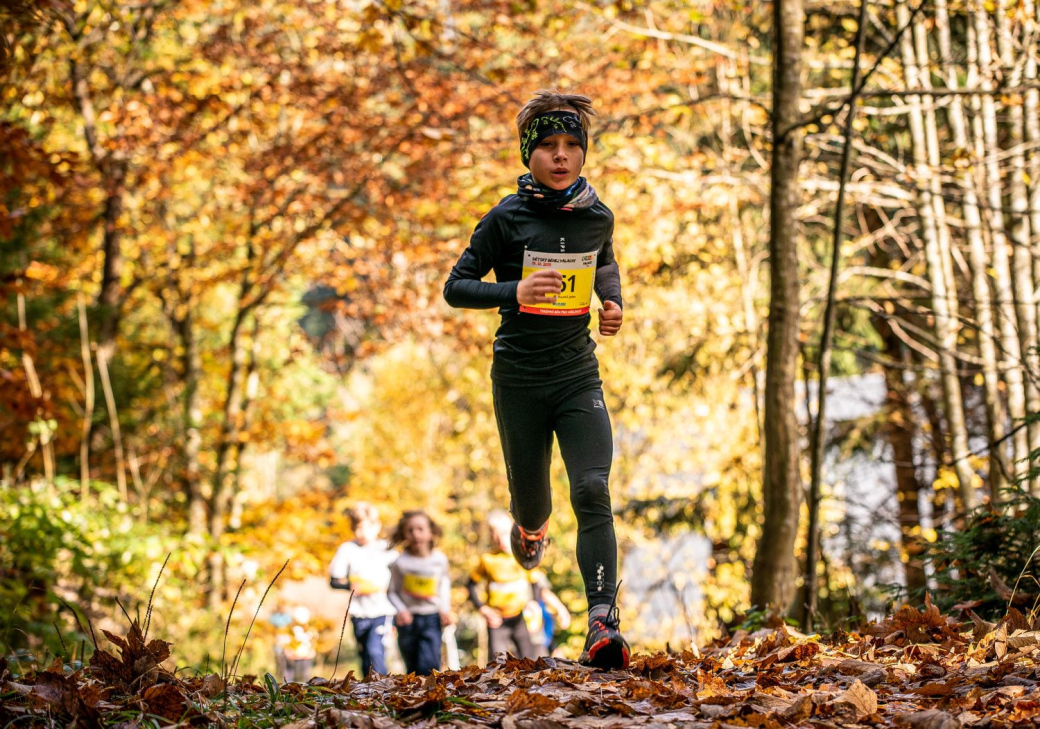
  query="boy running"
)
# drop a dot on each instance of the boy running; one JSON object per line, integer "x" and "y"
{"x": 363, "y": 565}
{"x": 502, "y": 590}
{"x": 550, "y": 245}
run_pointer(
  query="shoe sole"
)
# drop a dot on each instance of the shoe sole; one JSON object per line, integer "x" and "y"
{"x": 607, "y": 654}
{"x": 529, "y": 563}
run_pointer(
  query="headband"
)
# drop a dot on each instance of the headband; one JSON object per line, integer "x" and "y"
{"x": 546, "y": 125}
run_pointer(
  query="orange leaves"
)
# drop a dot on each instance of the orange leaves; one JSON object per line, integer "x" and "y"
{"x": 68, "y": 696}
{"x": 742, "y": 683}
{"x": 167, "y": 700}
{"x": 910, "y": 625}
{"x": 532, "y": 703}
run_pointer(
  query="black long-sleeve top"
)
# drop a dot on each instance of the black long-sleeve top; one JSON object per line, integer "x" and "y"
{"x": 532, "y": 349}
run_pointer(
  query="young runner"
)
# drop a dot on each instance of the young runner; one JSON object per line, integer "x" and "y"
{"x": 550, "y": 245}
{"x": 363, "y": 565}
{"x": 502, "y": 592}
{"x": 421, "y": 592}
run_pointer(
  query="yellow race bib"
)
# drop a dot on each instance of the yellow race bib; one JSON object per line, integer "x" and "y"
{"x": 364, "y": 587}
{"x": 421, "y": 586}
{"x": 579, "y": 274}
{"x": 509, "y": 597}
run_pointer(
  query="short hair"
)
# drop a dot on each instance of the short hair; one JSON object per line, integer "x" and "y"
{"x": 545, "y": 100}
{"x": 398, "y": 536}
{"x": 362, "y": 511}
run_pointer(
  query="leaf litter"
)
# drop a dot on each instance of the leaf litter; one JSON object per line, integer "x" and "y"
{"x": 917, "y": 669}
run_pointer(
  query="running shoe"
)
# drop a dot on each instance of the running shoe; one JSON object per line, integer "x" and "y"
{"x": 605, "y": 647}
{"x": 529, "y": 548}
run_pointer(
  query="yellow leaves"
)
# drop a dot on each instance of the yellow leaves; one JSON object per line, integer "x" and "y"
{"x": 42, "y": 272}
{"x": 33, "y": 99}
{"x": 946, "y": 479}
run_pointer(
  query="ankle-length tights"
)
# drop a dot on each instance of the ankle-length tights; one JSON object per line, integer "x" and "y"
{"x": 528, "y": 417}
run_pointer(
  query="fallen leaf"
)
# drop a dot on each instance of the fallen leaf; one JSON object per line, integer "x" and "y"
{"x": 858, "y": 701}
{"x": 931, "y": 719}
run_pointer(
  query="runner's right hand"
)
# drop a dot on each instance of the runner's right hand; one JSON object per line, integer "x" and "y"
{"x": 541, "y": 287}
{"x": 492, "y": 616}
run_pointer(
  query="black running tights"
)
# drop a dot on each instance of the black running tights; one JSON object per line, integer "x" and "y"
{"x": 527, "y": 419}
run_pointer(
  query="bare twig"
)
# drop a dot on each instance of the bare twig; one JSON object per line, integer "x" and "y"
{"x": 148, "y": 612}
{"x": 342, "y": 630}
{"x": 263, "y": 597}
{"x": 223, "y": 649}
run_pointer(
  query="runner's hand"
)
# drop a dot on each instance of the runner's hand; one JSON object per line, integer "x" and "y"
{"x": 492, "y": 616}
{"x": 610, "y": 317}
{"x": 541, "y": 287}
{"x": 403, "y": 617}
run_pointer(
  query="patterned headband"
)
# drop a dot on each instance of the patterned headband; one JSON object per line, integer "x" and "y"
{"x": 548, "y": 124}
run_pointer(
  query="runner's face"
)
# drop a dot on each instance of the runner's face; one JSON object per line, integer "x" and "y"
{"x": 417, "y": 532}
{"x": 366, "y": 532}
{"x": 557, "y": 161}
{"x": 500, "y": 535}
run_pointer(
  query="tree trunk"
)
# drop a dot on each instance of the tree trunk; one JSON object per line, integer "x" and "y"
{"x": 191, "y": 416}
{"x": 775, "y": 566}
{"x": 995, "y": 417}
{"x": 939, "y": 269}
{"x": 88, "y": 399}
{"x": 110, "y": 296}
{"x": 222, "y": 487}
{"x": 1032, "y": 136}
{"x": 252, "y": 380}
{"x": 987, "y": 149}
{"x": 900, "y": 431}
{"x": 1022, "y": 257}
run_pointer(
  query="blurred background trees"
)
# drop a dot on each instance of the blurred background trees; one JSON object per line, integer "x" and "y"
{"x": 224, "y": 229}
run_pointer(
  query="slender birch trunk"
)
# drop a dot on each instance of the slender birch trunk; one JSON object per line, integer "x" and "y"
{"x": 1022, "y": 258}
{"x": 1031, "y": 104}
{"x": 88, "y": 400}
{"x": 113, "y": 418}
{"x": 930, "y": 209}
{"x": 995, "y": 418}
{"x": 987, "y": 149}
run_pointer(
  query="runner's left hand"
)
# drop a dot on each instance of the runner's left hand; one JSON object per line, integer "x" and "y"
{"x": 610, "y": 317}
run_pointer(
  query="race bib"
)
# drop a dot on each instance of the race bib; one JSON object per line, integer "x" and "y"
{"x": 579, "y": 274}
{"x": 508, "y": 597}
{"x": 421, "y": 586}
{"x": 365, "y": 587}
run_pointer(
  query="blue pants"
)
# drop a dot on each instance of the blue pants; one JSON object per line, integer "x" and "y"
{"x": 420, "y": 644}
{"x": 371, "y": 634}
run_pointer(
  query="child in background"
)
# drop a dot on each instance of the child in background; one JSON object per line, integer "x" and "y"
{"x": 543, "y": 616}
{"x": 421, "y": 591}
{"x": 507, "y": 588}
{"x": 363, "y": 565}
{"x": 281, "y": 618}
{"x": 300, "y": 649}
